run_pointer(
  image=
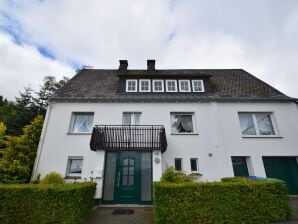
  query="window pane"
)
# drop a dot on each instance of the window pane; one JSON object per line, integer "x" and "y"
{"x": 130, "y": 180}
{"x": 125, "y": 170}
{"x": 75, "y": 166}
{"x": 247, "y": 124}
{"x": 83, "y": 123}
{"x": 193, "y": 164}
{"x": 109, "y": 183}
{"x": 178, "y": 164}
{"x": 131, "y": 170}
{"x": 146, "y": 176}
{"x": 124, "y": 180}
{"x": 137, "y": 118}
{"x": 126, "y": 119}
{"x": 265, "y": 124}
{"x": 197, "y": 86}
{"x": 182, "y": 123}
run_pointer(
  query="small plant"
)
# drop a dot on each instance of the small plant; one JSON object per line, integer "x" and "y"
{"x": 53, "y": 178}
{"x": 173, "y": 176}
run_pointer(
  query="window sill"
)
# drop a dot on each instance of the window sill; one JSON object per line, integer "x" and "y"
{"x": 184, "y": 133}
{"x": 261, "y": 136}
{"x": 79, "y": 133}
{"x": 72, "y": 177}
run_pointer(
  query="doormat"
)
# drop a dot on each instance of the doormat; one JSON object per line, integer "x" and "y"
{"x": 123, "y": 212}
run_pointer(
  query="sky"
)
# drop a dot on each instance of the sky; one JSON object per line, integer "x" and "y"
{"x": 54, "y": 37}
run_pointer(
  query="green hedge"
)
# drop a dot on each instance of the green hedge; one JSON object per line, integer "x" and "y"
{"x": 220, "y": 202}
{"x": 53, "y": 203}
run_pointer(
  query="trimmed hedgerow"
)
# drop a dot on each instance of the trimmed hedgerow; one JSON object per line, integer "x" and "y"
{"x": 41, "y": 203}
{"x": 220, "y": 202}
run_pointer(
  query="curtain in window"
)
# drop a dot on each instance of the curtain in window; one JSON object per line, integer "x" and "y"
{"x": 247, "y": 124}
{"x": 182, "y": 123}
{"x": 265, "y": 124}
{"x": 75, "y": 166}
{"x": 83, "y": 123}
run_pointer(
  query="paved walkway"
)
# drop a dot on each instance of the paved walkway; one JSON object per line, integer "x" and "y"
{"x": 105, "y": 216}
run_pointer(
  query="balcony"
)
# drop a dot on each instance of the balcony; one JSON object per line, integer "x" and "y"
{"x": 128, "y": 138}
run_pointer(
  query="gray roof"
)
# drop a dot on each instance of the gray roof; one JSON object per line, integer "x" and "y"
{"x": 227, "y": 85}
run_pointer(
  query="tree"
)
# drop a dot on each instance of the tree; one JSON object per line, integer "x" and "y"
{"x": 18, "y": 157}
{"x": 49, "y": 87}
{"x": 2, "y": 135}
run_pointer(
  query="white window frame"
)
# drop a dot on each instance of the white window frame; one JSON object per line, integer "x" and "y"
{"x": 258, "y": 135}
{"x": 162, "y": 85}
{"x": 74, "y": 175}
{"x": 193, "y": 85}
{"x": 188, "y": 83}
{"x": 140, "y": 85}
{"x": 132, "y": 118}
{"x": 193, "y": 123}
{"x": 72, "y": 122}
{"x": 131, "y": 80}
{"x": 167, "y": 85}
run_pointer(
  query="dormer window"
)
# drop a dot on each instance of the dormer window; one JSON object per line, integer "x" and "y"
{"x": 198, "y": 86}
{"x": 184, "y": 85}
{"x": 158, "y": 86}
{"x": 131, "y": 85}
{"x": 171, "y": 85}
{"x": 145, "y": 85}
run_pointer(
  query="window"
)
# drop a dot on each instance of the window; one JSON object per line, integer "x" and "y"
{"x": 182, "y": 123}
{"x": 171, "y": 85}
{"x": 198, "y": 86}
{"x": 74, "y": 166}
{"x": 178, "y": 164}
{"x": 131, "y": 118}
{"x": 184, "y": 85}
{"x": 194, "y": 164}
{"x": 145, "y": 85}
{"x": 259, "y": 124}
{"x": 158, "y": 86}
{"x": 131, "y": 85}
{"x": 82, "y": 123}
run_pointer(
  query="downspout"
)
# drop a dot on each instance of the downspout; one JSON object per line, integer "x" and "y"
{"x": 41, "y": 141}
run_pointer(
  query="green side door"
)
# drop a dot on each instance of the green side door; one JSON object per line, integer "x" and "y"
{"x": 240, "y": 167}
{"x": 283, "y": 168}
{"x": 127, "y": 178}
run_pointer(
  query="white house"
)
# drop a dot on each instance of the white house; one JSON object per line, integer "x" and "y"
{"x": 123, "y": 128}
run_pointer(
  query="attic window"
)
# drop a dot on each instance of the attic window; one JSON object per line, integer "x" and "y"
{"x": 158, "y": 85}
{"x": 145, "y": 85}
{"x": 131, "y": 85}
{"x": 198, "y": 86}
{"x": 171, "y": 85}
{"x": 184, "y": 85}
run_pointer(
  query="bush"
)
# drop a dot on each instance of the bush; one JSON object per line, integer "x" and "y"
{"x": 246, "y": 202}
{"x": 53, "y": 178}
{"x": 173, "y": 176}
{"x": 234, "y": 179}
{"x": 35, "y": 203}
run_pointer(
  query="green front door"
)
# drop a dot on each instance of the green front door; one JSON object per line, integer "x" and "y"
{"x": 127, "y": 182}
{"x": 283, "y": 168}
{"x": 240, "y": 167}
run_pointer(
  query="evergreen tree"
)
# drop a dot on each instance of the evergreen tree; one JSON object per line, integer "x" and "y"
{"x": 19, "y": 155}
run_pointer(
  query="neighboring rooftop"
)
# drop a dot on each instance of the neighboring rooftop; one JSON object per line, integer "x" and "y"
{"x": 226, "y": 85}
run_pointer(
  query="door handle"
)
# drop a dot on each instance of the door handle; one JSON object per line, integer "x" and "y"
{"x": 118, "y": 179}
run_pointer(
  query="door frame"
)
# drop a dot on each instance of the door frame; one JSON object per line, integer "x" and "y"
{"x": 140, "y": 202}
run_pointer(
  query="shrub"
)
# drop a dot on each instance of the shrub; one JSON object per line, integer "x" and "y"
{"x": 35, "y": 203}
{"x": 234, "y": 179}
{"x": 173, "y": 176}
{"x": 53, "y": 178}
{"x": 246, "y": 202}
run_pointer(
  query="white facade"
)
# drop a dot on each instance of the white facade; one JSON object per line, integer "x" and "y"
{"x": 217, "y": 137}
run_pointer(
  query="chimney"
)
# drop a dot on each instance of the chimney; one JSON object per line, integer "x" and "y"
{"x": 151, "y": 65}
{"x": 123, "y": 65}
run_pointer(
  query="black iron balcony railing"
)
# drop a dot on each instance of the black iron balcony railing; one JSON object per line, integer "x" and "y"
{"x": 128, "y": 137}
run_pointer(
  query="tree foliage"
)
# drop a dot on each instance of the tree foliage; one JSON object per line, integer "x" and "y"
{"x": 18, "y": 157}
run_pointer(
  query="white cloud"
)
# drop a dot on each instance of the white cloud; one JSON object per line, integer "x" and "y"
{"x": 23, "y": 65}
{"x": 259, "y": 36}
